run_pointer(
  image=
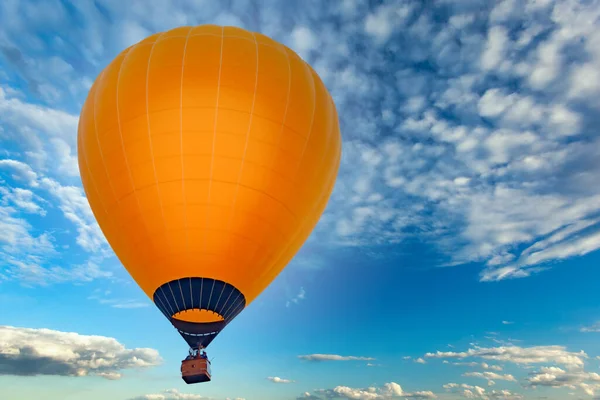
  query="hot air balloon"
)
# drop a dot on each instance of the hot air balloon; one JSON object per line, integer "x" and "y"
{"x": 208, "y": 155}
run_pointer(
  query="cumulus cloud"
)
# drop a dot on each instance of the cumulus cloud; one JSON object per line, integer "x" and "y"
{"x": 390, "y": 390}
{"x": 556, "y": 377}
{"x": 30, "y": 352}
{"x": 520, "y": 355}
{"x": 477, "y": 392}
{"x": 333, "y": 357}
{"x": 174, "y": 394}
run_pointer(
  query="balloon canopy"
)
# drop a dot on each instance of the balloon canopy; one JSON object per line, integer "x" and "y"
{"x": 208, "y": 155}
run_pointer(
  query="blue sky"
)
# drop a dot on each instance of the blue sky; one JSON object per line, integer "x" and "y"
{"x": 457, "y": 257}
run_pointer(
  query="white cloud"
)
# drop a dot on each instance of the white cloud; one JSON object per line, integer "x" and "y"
{"x": 30, "y": 352}
{"x": 75, "y": 207}
{"x": 555, "y": 377}
{"x": 107, "y": 299}
{"x": 17, "y": 238}
{"x": 303, "y": 41}
{"x": 505, "y": 108}
{"x": 495, "y": 48}
{"x": 298, "y": 298}
{"x": 71, "y": 201}
{"x": 21, "y": 171}
{"x": 477, "y": 392}
{"x": 30, "y": 254}
{"x": 23, "y": 199}
{"x": 31, "y": 124}
{"x": 31, "y": 273}
{"x": 276, "y": 379}
{"x": 172, "y": 394}
{"x": 490, "y": 376}
{"x": 333, "y": 357}
{"x": 390, "y": 390}
{"x": 592, "y": 328}
{"x": 381, "y": 23}
{"x": 420, "y": 361}
{"x": 520, "y": 355}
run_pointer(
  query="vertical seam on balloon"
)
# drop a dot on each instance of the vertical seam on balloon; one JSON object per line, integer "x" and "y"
{"x": 219, "y": 299}
{"x": 185, "y": 222}
{"x": 212, "y": 155}
{"x": 225, "y": 303}
{"x": 182, "y": 296}
{"x": 112, "y": 189}
{"x": 137, "y": 200}
{"x": 173, "y": 294}
{"x": 162, "y": 212}
{"x": 169, "y": 304}
{"x": 191, "y": 293}
{"x": 316, "y": 203}
{"x": 287, "y": 102}
{"x": 211, "y": 292}
{"x": 164, "y": 308}
{"x": 294, "y": 174}
{"x": 239, "y": 178}
{"x": 234, "y": 311}
{"x": 231, "y": 305}
{"x": 162, "y": 305}
{"x": 312, "y": 121}
{"x": 233, "y": 314}
{"x": 201, "y": 288}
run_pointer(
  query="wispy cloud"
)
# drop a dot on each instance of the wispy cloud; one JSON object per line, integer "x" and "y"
{"x": 33, "y": 274}
{"x": 298, "y": 298}
{"x": 476, "y": 364}
{"x": 520, "y": 355}
{"x": 276, "y": 379}
{"x": 29, "y": 255}
{"x": 106, "y": 297}
{"x": 491, "y": 376}
{"x": 333, "y": 357}
{"x": 591, "y": 328}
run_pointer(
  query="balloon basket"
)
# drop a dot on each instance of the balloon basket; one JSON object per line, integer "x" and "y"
{"x": 195, "y": 370}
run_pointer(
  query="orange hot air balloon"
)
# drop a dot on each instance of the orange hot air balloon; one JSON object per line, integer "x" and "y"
{"x": 208, "y": 155}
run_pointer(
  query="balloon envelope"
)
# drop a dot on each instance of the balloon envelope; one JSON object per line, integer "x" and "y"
{"x": 208, "y": 155}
